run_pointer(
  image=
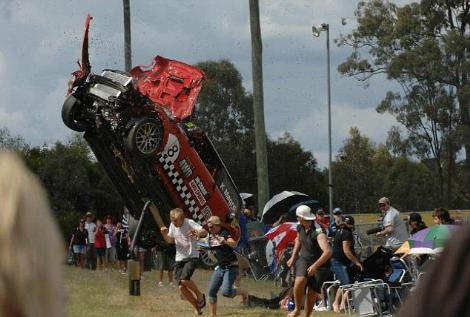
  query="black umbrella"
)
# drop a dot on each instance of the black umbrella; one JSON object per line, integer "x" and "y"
{"x": 280, "y": 204}
{"x": 313, "y": 204}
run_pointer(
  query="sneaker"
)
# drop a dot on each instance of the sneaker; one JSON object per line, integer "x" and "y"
{"x": 172, "y": 284}
{"x": 160, "y": 284}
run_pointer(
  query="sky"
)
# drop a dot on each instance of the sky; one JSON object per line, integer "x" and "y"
{"x": 41, "y": 42}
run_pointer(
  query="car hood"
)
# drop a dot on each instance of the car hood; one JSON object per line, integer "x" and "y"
{"x": 172, "y": 84}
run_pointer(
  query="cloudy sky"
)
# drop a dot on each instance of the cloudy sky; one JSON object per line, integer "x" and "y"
{"x": 41, "y": 42}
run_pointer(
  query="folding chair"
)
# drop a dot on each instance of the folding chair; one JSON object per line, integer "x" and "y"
{"x": 329, "y": 289}
{"x": 370, "y": 298}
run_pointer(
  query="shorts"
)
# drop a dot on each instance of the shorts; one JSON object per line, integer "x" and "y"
{"x": 122, "y": 254}
{"x": 184, "y": 269}
{"x": 111, "y": 254}
{"x": 101, "y": 251}
{"x": 140, "y": 249}
{"x": 164, "y": 262}
{"x": 316, "y": 281}
{"x": 79, "y": 249}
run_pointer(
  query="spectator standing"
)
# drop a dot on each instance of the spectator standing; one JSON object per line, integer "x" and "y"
{"x": 226, "y": 270}
{"x": 78, "y": 244}
{"x": 122, "y": 246}
{"x": 337, "y": 218}
{"x": 416, "y": 223}
{"x": 310, "y": 258}
{"x": 394, "y": 226}
{"x": 322, "y": 219}
{"x": 165, "y": 255}
{"x": 90, "y": 227}
{"x": 184, "y": 233}
{"x": 110, "y": 256}
{"x": 343, "y": 257}
{"x": 100, "y": 244}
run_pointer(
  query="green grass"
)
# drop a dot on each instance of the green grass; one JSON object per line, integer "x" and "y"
{"x": 93, "y": 293}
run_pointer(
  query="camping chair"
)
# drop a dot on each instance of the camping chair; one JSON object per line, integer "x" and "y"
{"x": 370, "y": 298}
{"x": 329, "y": 289}
{"x": 259, "y": 266}
{"x": 399, "y": 280}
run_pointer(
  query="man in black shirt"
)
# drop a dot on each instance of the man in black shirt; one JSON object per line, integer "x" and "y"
{"x": 311, "y": 256}
{"x": 343, "y": 256}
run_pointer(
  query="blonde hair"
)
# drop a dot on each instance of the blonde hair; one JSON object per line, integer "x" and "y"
{"x": 31, "y": 252}
{"x": 177, "y": 212}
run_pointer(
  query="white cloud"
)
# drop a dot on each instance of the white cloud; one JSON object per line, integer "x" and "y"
{"x": 312, "y": 129}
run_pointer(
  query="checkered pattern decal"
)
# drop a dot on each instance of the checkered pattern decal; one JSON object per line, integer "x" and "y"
{"x": 182, "y": 189}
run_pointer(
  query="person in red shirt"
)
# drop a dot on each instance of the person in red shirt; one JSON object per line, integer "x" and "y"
{"x": 322, "y": 219}
{"x": 100, "y": 243}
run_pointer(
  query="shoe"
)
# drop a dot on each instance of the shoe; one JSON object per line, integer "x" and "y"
{"x": 172, "y": 284}
{"x": 322, "y": 308}
{"x": 202, "y": 304}
{"x": 160, "y": 284}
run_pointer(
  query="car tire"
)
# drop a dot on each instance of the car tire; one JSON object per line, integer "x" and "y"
{"x": 145, "y": 137}
{"x": 70, "y": 114}
{"x": 207, "y": 258}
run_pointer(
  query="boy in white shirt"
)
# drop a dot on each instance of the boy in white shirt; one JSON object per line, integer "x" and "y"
{"x": 184, "y": 233}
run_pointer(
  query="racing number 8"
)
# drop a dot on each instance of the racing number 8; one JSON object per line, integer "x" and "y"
{"x": 171, "y": 151}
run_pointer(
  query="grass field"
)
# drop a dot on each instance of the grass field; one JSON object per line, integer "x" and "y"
{"x": 94, "y": 293}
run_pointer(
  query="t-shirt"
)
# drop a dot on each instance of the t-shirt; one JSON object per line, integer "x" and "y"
{"x": 80, "y": 236}
{"x": 344, "y": 234}
{"x": 100, "y": 240}
{"x": 121, "y": 240}
{"x": 90, "y": 227}
{"x": 399, "y": 234}
{"x": 223, "y": 253}
{"x": 186, "y": 246}
{"x": 309, "y": 248}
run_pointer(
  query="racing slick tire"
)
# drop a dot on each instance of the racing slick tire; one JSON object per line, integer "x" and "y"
{"x": 71, "y": 115}
{"x": 145, "y": 137}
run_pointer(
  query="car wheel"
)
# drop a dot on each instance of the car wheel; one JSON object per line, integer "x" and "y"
{"x": 145, "y": 137}
{"x": 207, "y": 258}
{"x": 71, "y": 114}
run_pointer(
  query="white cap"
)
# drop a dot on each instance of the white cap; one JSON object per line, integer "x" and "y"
{"x": 304, "y": 212}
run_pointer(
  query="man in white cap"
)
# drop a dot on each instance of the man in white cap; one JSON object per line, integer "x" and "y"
{"x": 310, "y": 256}
{"x": 394, "y": 227}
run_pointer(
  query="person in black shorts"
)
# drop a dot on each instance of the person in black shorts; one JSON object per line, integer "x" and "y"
{"x": 184, "y": 233}
{"x": 122, "y": 246}
{"x": 310, "y": 256}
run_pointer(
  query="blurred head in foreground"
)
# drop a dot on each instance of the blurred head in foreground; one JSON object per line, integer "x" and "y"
{"x": 30, "y": 245}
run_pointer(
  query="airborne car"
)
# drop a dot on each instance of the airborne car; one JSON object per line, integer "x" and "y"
{"x": 137, "y": 125}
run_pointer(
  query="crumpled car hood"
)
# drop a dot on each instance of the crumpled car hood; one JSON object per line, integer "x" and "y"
{"x": 172, "y": 84}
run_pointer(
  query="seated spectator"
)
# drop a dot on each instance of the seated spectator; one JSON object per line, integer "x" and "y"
{"x": 31, "y": 248}
{"x": 416, "y": 223}
{"x": 441, "y": 216}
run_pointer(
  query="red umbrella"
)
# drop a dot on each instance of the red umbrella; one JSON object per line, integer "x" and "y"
{"x": 282, "y": 235}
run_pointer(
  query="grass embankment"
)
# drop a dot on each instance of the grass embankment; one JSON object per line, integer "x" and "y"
{"x": 93, "y": 293}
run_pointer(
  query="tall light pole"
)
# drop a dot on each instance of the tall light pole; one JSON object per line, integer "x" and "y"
{"x": 316, "y": 30}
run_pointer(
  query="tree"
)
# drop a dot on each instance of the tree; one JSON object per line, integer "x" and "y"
{"x": 224, "y": 112}
{"x": 293, "y": 168}
{"x": 355, "y": 183}
{"x": 10, "y": 142}
{"x": 423, "y": 47}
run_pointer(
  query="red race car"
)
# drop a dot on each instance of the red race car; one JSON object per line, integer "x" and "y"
{"x": 137, "y": 125}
